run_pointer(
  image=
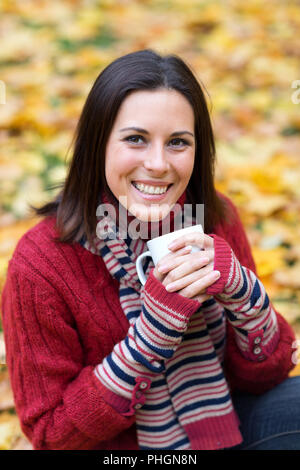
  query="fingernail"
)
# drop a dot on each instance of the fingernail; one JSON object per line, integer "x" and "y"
{"x": 169, "y": 287}
{"x": 216, "y": 274}
{"x": 161, "y": 269}
{"x": 172, "y": 244}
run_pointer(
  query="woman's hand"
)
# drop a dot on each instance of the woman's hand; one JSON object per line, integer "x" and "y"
{"x": 186, "y": 273}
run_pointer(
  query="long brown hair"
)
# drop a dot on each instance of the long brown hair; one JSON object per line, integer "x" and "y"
{"x": 76, "y": 203}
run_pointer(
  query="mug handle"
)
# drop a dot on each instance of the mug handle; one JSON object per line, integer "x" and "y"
{"x": 139, "y": 267}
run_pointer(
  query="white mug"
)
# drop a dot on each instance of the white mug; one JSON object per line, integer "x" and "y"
{"x": 158, "y": 248}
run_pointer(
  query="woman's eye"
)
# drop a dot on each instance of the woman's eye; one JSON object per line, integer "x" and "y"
{"x": 178, "y": 142}
{"x": 135, "y": 139}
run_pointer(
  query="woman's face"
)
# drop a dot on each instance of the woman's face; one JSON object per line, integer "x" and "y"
{"x": 150, "y": 152}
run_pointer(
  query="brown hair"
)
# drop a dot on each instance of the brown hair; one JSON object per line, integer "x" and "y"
{"x": 75, "y": 205}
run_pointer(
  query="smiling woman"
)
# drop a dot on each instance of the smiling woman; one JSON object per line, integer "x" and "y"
{"x": 99, "y": 361}
{"x": 116, "y": 92}
{"x": 155, "y": 162}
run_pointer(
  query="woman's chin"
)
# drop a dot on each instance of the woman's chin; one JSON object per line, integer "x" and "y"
{"x": 153, "y": 215}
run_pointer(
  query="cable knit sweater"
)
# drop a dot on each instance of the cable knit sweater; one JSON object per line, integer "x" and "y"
{"x": 62, "y": 317}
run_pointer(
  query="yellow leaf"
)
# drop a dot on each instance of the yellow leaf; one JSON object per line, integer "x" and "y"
{"x": 265, "y": 205}
{"x": 290, "y": 310}
{"x": 9, "y": 430}
{"x": 268, "y": 261}
{"x": 289, "y": 277}
{"x": 9, "y": 236}
{"x": 6, "y": 396}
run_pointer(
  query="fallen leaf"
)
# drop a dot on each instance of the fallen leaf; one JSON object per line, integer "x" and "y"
{"x": 290, "y": 310}
{"x": 6, "y": 395}
{"x": 265, "y": 205}
{"x": 268, "y": 261}
{"x": 10, "y": 430}
{"x": 289, "y": 277}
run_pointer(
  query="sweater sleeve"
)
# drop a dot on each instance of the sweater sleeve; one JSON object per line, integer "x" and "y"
{"x": 254, "y": 376}
{"x": 127, "y": 371}
{"x": 58, "y": 399}
{"x": 246, "y": 304}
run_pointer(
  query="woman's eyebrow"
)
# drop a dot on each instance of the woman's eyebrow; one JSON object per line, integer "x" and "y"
{"x": 143, "y": 131}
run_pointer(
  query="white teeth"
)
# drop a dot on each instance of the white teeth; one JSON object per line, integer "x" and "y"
{"x": 150, "y": 189}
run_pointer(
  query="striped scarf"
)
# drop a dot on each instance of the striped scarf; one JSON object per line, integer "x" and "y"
{"x": 188, "y": 404}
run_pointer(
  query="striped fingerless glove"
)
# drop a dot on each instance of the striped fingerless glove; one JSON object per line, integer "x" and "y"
{"x": 246, "y": 304}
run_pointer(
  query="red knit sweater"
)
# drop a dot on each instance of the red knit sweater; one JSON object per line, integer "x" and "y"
{"x": 62, "y": 316}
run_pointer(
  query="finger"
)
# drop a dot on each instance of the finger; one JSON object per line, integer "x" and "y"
{"x": 172, "y": 259}
{"x": 161, "y": 273}
{"x": 174, "y": 284}
{"x": 201, "y": 298}
{"x": 189, "y": 238}
{"x": 189, "y": 288}
{"x": 158, "y": 275}
{"x": 195, "y": 238}
{"x": 184, "y": 264}
{"x": 192, "y": 267}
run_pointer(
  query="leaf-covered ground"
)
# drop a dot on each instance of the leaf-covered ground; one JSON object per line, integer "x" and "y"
{"x": 246, "y": 54}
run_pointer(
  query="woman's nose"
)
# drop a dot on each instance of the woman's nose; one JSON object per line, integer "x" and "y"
{"x": 156, "y": 160}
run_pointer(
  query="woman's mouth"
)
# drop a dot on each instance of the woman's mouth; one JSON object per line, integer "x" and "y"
{"x": 149, "y": 191}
